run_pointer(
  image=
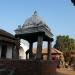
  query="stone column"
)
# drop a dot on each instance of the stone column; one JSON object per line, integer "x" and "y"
{"x": 49, "y": 50}
{"x": 30, "y": 48}
{"x": 13, "y": 52}
{"x": 39, "y": 47}
{"x": 0, "y": 50}
{"x": 17, "y": 48}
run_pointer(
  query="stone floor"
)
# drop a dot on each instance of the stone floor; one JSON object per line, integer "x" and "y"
{"x": 65, "y": 71}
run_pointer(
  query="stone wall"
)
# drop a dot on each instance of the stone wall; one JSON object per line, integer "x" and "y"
{"x": 29, "y": 67}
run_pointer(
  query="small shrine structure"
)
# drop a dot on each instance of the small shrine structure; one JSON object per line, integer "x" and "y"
{"x": 35, "y": 30}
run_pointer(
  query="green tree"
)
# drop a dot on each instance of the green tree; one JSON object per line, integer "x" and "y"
{"x": 64, "y": 43}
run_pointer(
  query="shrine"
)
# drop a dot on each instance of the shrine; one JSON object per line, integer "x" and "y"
{"x": 35, "y": 30}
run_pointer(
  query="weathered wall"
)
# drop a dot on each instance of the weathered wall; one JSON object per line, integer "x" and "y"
{"x": 22, "y": 54}
{"x": 9, "y": 52}
{"x": 27, "y": 67}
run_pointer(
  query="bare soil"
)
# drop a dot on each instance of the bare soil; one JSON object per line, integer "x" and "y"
{"x": 65, "y": 71}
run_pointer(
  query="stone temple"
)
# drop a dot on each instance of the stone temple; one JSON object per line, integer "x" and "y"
{"x": 33, "y": 30}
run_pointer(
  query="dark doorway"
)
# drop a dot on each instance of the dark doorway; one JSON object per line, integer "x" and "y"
{"x": 3, "y": 52}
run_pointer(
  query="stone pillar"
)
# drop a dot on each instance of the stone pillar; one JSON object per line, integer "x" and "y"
{"x": 13, "y": 52}
{"x": 49, "y": 50}
{"x": 0, "y": 50}
{"x": 4, "y": 51}
{"x": 30, "y": 48}
{"x": 39, "y": 47}
{"x": 17, "y": 48}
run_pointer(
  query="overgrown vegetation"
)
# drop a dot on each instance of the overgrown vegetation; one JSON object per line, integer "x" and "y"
{"x": 64, "y": 43}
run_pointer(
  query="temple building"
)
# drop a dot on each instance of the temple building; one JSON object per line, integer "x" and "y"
{"x": 55, "y": 54}
{"x": 17, "y": 57}
{"x": 8, "y": 45}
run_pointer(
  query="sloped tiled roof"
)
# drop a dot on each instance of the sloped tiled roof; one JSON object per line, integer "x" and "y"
{"x": 53, "y": 50}
{"x": 6, "y": 34}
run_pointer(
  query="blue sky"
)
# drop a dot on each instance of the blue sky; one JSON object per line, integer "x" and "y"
{"x": 58, "y": 14}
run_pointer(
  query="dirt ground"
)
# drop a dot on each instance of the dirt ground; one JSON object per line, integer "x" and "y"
{"x": 65, "y": 71}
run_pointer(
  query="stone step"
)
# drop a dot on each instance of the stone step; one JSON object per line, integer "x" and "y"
{"x": 7, "y": 72}
{"x": 4, "y": 72}
{"x": 2, "y": 66}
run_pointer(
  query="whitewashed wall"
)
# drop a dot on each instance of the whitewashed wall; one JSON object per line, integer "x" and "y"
{"x": 9, "y": 52}
{"x": 22, "y": 54}
{"x": 23, "y": 48}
